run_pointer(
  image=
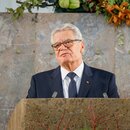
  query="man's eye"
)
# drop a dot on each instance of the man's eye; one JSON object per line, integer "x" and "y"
{"x": 58, "y": 45}
{"x": 67, "y": 42}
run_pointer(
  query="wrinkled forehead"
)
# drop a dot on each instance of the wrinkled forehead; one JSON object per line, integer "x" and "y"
{"x": 63, "y": 35}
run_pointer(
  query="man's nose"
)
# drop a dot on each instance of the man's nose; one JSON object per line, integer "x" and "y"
{"x": 62, "y": 46}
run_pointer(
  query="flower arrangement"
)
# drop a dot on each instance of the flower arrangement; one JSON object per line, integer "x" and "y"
{"x": 118, "y": 13}
{"x": 115, "y": 11}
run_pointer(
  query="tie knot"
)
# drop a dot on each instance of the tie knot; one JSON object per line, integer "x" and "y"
{"x": 71, "y": 75}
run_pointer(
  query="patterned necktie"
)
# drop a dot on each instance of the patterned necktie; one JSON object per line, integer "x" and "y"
{"x": 72, "y": 85}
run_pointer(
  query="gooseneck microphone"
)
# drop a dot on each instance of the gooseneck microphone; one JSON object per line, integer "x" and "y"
{"x": 105, "y": 95}
{"x": 54, "y": 95}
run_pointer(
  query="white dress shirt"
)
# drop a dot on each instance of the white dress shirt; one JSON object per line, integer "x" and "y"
{"x": 66, "y": 80}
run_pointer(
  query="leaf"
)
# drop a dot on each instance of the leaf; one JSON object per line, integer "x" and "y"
{"x": 111, "y": 2}
{"x": 10, "y": 10}
{"x": 16, "y": 16}
{"x": 121, "y": 15}
{"x": 129, "y": 6}
{"x": 110, "y": 8}
{"x": 91, "y": 5}
{"x": 124, "y": 4}
{"x": 98, "y": 12}
{"x": 97, "y": 8}
{"x": 115, "y": 19}
{"x": 20, "y": 10}
{"x": 29, "y": 9}
{"x": 128, "y": 22}
{"x": 25, "y": 5}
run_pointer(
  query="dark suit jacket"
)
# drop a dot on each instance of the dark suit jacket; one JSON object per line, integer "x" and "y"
{"x": 94, "y": 83}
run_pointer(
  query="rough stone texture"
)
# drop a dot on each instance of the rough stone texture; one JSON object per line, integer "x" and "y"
{"x": 4, "y": 114}
{"x": 25, "y": 50}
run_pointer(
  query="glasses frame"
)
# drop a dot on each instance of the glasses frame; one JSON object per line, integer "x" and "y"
{"x": 70, "y": 42}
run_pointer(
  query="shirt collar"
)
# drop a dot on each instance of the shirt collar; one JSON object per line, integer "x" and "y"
{"x": 78, "y": 71}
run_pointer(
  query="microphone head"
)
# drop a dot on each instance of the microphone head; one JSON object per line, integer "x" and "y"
{"x": 54, "y": 94}
{"x": 105, "y": 95}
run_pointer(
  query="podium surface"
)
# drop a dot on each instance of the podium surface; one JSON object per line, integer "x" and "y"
{"x": 71, "y": 114}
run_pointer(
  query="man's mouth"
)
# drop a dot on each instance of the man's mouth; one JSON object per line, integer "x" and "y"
{"x": 64, "y": 54}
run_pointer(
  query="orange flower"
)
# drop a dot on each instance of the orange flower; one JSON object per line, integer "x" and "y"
{"x": 114, "y": 19}
{"x": 128, "y": 19}
{"x": 122, "y": 13}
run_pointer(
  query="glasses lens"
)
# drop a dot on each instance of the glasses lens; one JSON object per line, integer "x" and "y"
{"x": 66, "y": 43}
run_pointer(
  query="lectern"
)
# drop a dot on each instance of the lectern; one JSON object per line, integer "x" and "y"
{"x": 71, "y": 114}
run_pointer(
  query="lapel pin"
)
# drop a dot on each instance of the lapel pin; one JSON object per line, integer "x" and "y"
{"x": 87, "y": 82}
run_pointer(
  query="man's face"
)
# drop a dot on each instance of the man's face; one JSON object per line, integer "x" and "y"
{"x": 64, "y": 54}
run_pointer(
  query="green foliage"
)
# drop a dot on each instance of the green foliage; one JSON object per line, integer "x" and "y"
{"x": 89, "y": 5}
{"x": 26, "y": 5}
{"x": 118, "y": 2}
{"x": 100, "y": 7}
{"x": 112, "y": 2}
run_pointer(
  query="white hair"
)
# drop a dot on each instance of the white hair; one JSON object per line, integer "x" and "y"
{"x": 67, "y": 26}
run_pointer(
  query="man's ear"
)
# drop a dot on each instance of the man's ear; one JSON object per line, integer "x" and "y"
{"x": 82, "y": 47}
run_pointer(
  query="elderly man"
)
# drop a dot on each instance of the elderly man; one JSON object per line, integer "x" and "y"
{"x": 72, "y": 78}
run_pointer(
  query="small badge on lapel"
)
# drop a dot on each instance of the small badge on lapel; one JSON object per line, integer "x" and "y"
{"x": 87, "y": 82}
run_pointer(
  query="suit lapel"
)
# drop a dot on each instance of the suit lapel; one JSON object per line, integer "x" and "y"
{"x": 86, "y": 82}
{"x": 57, "y": 83}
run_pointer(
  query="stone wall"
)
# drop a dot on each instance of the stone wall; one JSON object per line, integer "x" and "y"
{"x": 25, "y": 50}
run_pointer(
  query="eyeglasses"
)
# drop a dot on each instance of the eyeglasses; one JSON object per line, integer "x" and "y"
{"x": 67, "y": 43}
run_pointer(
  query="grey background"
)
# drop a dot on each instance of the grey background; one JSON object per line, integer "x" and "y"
{"x": 25, "y": 50}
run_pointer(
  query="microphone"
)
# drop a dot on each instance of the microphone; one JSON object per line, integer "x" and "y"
{"x": 54, "y": 95}
{"x": 105, "y": 95}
